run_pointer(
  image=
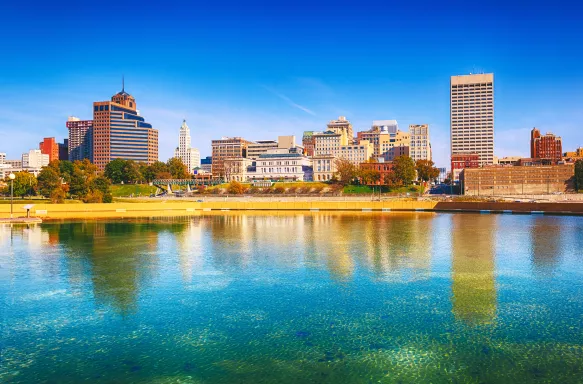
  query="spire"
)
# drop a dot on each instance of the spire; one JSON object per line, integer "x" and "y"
{"x": 123, "y": 85}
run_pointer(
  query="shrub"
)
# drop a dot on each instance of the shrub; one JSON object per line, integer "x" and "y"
{"x": 108, "y": 198}
{"x": 292, "y": 190}
{"x": 236, "y": 188}
{"x": 93, "y": 197}
{"x": 279, "y": 190}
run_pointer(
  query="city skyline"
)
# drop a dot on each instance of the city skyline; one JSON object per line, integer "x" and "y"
{"x": 233, "y": 71}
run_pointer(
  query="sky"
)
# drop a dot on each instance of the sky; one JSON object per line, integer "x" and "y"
{"x": 262, "y": 69}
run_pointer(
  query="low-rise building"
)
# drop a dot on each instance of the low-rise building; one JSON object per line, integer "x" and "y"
{"x": 206, "y": 164}
{"x": 573, "y": 156}
{"x": 461, "y": 161}
{"x": 385, "y": 169}
{"x": 496, "y": 181}
{"x": 283, "y": 166}
{"x": 508, "y": 160}
{"x": 237, "y": 168}
{"x": 324, "y": 167}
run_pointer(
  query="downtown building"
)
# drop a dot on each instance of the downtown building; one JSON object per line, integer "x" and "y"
{"x": 119, "y": 132}
{"x": 226, "y": 148}
{"x": 387, "y": 140}
{"x": 50, "y": 147}
{"x": 548, "y": 146}
{"x": 420, "y": 148}
{"x": 80, "y": 143}
{"x": 189, "y": 156}
{"x": 472, "y": 117}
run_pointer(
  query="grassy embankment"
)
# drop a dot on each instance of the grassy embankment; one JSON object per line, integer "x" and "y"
{"x": 365, "y": 189}
{"x": 129, "y": 189}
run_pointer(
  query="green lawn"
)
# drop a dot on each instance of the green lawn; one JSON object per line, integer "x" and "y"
{"x": 126, "y": 190}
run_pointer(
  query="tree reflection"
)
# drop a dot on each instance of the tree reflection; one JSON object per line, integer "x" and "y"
{"x": 117, "y": 258}
{"x": 545, "y": 243}
{"x": 473, "y": 282}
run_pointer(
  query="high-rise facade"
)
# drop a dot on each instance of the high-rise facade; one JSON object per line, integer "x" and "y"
{"x": 34, "y": 159}
{"x": 119, "y": 132}
{"x": 227, "y": 148}
{"x": 546, "y": 146}
{"x": 64, "y": 150}
{"x": 472, "y": 116}
{"x": 420, "y": 148}
{"x": 49, "y": 147}
{"x": 189, "y": 156}
{"x": 80, "y": 139}
{"x": 342, "y": 125}
{"x": 388, "y": 142}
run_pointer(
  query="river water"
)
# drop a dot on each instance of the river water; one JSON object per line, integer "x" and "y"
{"x": 294, "y": 298}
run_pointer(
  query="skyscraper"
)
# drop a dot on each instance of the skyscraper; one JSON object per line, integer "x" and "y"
{"x": 472, "y": 116}
{"x": 49, "y": 147}
{"x": 189, "y": 156}
{"x": 80, "y": 139}
{"x": 64, "y": 150}
{"x": 119, "y": 132}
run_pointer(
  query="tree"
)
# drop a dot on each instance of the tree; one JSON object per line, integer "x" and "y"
{"x": 426, "y": 170}
{"x": 146, "y": 173}
{"x": 114, "y": 170}
{"x": 177, "y": 168}
{"x": 404, "y": 169}
{"x": 346, "y": 171}
{"x": 57, "y": 195}
{"x": 579, "y": 175}
{"x": 369, "y": 175}
{"x": 236, "y": 188}
{"x": 83, "y": 173}
{"x": 49, "y": 179}
{"x": 101, "y": 184}
{"x": 158, "y": 169}
{"x": 131, "y": 172}
{"x": 24, "y": 184}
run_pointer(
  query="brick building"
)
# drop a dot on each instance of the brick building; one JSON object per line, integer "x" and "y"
{"x": 384, "y": 169}
{"x": 517, "y": 180}
{"x": 49, "y": 147}
{"x": 461, "y": 161}
{"x": 546, "y": 146}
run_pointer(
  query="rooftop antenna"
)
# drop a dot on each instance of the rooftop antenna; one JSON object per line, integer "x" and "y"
{"x": 123, "y": 86}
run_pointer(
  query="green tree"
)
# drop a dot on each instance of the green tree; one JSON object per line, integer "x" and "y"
{"x": 131, "y": 172}
{"x": 66, "y": 170}
{"x": 177, "y": 168}
{"x": 579, "y": 175}
{"x": 158, "y": 169}
{"x": 100, "y": 183}
{"x": 146, "y": 173}
{"x": 83, "y": 174}
{"x": 346, "y": 171}
{"x": 426, "y": 171}
{"x": 404, "y": 169}
{"x": 24, "y": 184}
{"x": 114, "y": 170}
{"x": 49, "y": 179}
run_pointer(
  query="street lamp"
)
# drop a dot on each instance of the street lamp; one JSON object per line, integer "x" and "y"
{"x": 11, "y": 177}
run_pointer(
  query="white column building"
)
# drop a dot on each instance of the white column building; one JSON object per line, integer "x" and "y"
{"x": 189, "y": 156}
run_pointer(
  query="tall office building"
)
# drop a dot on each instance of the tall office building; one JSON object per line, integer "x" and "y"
{"x": 472, "y": 116}
{"x": 189, "y": 156}
{"x": 64, "y": 150}
{"x": 420, "y": 148}
{"x": 80, "y": 139}
{"x": 119, "y": 132}
{"x": 49, "y": 147}
{"x": 546, "y": 146}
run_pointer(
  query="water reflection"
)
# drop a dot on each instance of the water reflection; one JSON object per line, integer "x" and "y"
{"x": 118, "y": 258}
{"x": 473, "y": 281}
{"x": 545, "y": 240}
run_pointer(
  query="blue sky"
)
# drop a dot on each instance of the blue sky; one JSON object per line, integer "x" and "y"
{"x": 262, "y": 69}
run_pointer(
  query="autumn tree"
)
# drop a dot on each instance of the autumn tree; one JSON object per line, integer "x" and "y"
{"x": 158, "y": 169}
{"x": 48, "y": 180}
{"x": 346, "y": 171}
{"x": 236, "y": 188}
{"x": 177, "y": 168}
{"x": 579, "y": 175}
{"x": 426, "y": 170}
{"x": 404, "y": 170}
{"x": 369, "y": 176}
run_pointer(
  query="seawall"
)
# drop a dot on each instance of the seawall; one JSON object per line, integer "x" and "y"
{"x": 161, "y": 209}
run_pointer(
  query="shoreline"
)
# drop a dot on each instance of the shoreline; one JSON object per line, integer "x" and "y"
{"x": 120, "y": 210}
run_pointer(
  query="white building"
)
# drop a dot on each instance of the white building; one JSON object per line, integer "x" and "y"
{"x": 386, "y": 126}
{"x": 189, "y": 156}
{"x": 34, "y": 159}
{"x": 282, "y": 164}
{"x": 420, "y": 148}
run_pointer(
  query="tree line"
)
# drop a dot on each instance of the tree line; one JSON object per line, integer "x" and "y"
{"x": 63, "y": 179}
{"x": 403, "y": 172}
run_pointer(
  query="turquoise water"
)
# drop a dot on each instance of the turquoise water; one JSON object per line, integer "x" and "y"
{"x": 297, "y": 298}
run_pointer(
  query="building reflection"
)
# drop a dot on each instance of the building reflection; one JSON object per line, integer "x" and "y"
{"x": 473, "y": 281}
{"x": 545, "y": 240}
{"x": 117, "y": 258}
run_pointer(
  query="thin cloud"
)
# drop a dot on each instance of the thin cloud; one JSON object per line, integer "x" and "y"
{"x": 290, "y": 101}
